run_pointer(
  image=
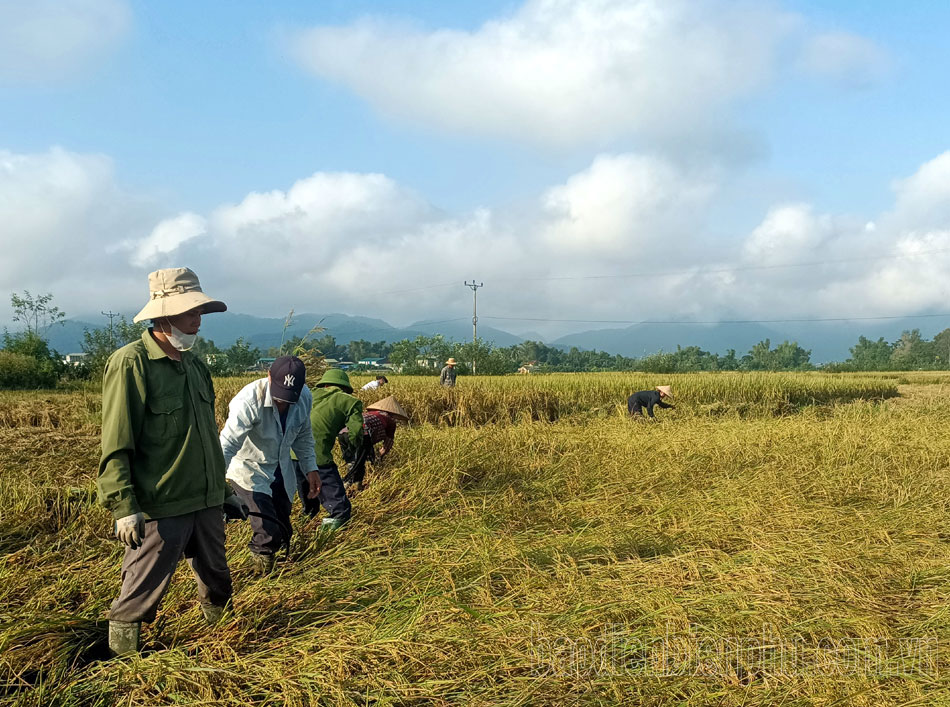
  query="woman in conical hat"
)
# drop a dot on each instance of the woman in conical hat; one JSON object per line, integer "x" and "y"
{"x": 379, "y": 426}
{"x": 649, "y": 399}
{"x": 391, "y": 407}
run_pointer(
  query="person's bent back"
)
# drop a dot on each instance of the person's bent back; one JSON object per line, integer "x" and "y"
{"x": 649, "y": 399}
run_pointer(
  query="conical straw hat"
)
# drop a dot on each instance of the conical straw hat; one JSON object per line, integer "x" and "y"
{"x": 391, "y": 406}
{"x": 666, "y": 390}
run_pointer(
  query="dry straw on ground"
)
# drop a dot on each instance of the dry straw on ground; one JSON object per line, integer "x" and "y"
{"x": 789, "y": 547}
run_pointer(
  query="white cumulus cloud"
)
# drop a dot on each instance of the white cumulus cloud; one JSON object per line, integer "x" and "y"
{"x": 52, "y": 39}
{"x": 63, "y": 220}
{"x": 167, "y": 236}
{"x": 624, "y": 204}
{"x": 923, "y": 199}
{"x": 631, "y": 236}
{"x": 897, "y": 266}
{"x": 560, "y": 71}
{"x": 788, "y": 233}
{"x": 362, "y": 242}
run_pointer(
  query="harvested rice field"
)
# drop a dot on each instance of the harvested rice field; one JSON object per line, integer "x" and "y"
{"x": 775, "y": 539}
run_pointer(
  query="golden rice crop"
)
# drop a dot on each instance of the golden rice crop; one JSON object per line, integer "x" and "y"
{"x": 708, "y": 559}
{"x": 506, "y": 399}
{"x": 485, "y": 399}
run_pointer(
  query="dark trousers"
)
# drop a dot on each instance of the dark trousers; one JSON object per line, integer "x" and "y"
{"x": 635, "y": 409}
{"x": 269, "y": 516}
{"x": 356, "y": 458}
{"x": 332, "y": 495}
{"x": 147, "y": 571}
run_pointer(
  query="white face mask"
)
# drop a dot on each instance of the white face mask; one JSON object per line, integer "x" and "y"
{"x": 179, "y": 339}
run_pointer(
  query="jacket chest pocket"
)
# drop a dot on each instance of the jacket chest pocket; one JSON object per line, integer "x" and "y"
{"x": 165, "y": 419}
{"x": 206, "y": 402}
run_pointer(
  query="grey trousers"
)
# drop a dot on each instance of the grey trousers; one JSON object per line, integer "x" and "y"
{"x": 147, "y": 571}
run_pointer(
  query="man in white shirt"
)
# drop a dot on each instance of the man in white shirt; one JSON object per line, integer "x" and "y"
{"x": 373, "y": 385}
{"x": 266, "y": 420}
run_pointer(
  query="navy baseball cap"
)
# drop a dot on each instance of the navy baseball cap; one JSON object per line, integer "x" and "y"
{"x": 287, "y": 377}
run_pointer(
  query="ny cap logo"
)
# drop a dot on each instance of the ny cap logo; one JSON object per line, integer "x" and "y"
{"x": 289, "y": 381}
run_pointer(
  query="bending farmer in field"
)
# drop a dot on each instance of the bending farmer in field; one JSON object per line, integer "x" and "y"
{"x": 449, "y": 374}
{"x": 649, "y": 399}
{"x": 161, "y": 473}
{"x": 379, "y": 426}
{"x": 379, "y": 382}
{"x": 266, "y": 420}
{"x": 333, "y": 407}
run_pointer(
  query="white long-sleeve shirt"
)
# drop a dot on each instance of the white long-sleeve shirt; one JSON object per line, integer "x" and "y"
{"x": 254, "y": 444}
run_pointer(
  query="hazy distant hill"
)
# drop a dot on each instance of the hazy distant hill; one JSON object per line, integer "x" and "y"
{"x": 828, "y": 341}
{"x": 263, "y": 332}
{"x": 643, "y": 339}
{"x": 462, "y": 331}
{"x": 67, "y": 338}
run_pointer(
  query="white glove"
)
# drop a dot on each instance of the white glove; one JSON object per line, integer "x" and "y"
{"x": 235, "y": 508}
{"x": 131, "y": 530}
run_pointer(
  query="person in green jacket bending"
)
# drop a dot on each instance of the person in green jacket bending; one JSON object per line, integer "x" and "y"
{"x": 161, "y": 473}
{"x": 333, "y": 408}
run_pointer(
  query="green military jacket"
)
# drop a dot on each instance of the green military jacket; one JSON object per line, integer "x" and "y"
{"x": 160, "y": 448}
{"x": 332, "y": 411}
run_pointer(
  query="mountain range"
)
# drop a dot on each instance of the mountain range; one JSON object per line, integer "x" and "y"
{"x": 828, "y": 341}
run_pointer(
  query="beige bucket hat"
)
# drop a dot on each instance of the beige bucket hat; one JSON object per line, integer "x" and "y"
{"x": 665, "y": 390}
{"x": 175, "y": 291}
{"x": 391, "y": 406}
{"x": 451, "y": 362}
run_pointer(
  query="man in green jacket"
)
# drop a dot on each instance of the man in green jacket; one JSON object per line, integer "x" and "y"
{"x": 333, "y": 408}
{"x": 162, "y": 472}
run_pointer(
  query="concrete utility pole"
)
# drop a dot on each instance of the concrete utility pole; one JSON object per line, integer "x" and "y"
{"x": 474, "y": 287}
{"x": 111, "y": 316}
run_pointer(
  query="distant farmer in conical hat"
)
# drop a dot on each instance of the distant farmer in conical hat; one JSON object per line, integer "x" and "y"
{"x": 649, "y": 399}
{"x": 379, "y": 426}
{"x": 333, "y": 407}
{"x": 448, "y": 375}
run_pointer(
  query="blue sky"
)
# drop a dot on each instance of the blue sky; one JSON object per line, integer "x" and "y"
{"x": 501, "y": 140}
{"x": 201, "y": 105}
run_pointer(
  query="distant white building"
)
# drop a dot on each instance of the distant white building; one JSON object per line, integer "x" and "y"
{"x": 74, "y": 359}
{"x": 371, "y": 362}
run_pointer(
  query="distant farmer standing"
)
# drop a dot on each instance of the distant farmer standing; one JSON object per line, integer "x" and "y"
{"x": 161, "y": 473}
{"x": 649, "y": 399}
{"x": 334, "y": 407}
{"x": 449, "y": 374}
{"x": 379, "y": 427}
{"x": 267, "y": 419}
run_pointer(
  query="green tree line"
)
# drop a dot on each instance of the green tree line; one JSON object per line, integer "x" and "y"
{"x": 26, "y": 360}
